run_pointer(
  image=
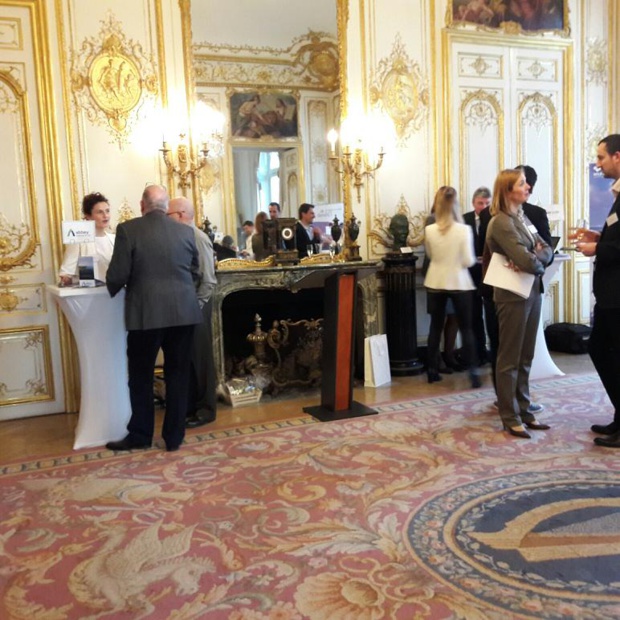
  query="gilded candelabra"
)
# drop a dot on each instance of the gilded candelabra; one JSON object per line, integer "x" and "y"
{"x": 354, "y": 163}
{"x": 186, "y": 167}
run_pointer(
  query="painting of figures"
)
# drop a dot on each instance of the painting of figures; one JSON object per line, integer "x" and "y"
{"x": 531, "y": 15}
{"x": 258, "y": 116}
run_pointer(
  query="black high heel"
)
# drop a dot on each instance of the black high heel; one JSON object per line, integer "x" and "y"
{"x": 475, "y": 379}
{"x": 517, "y": 433}
{"x": 433, "y": 376}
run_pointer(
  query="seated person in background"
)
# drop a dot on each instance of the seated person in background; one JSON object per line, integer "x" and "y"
{"x": 305, "y": 233}
{"x": 258, "y": 241}
{"x": 95, "y": 207}
{"x": 226, "y": 249}
{"x": 248, "y": 231}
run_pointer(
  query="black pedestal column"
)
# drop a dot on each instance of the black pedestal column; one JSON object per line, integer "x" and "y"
{"x": 400, "y": 313}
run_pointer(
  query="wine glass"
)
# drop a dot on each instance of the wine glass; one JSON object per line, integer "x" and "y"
{"x": 310, "y": 249}
{"x": 581, "y": 228}
{"x": 332, "y": 251}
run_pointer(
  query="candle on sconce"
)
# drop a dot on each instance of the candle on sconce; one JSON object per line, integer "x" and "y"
{"x": 332, "y": 137}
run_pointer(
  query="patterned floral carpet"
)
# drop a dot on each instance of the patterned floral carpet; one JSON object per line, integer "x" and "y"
{"x": 427, "y": 510}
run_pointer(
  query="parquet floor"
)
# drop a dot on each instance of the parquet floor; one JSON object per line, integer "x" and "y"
{"x": 53, "y": 434}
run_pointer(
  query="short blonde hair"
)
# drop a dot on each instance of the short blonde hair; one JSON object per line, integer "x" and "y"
{"x": 504, "y": 184}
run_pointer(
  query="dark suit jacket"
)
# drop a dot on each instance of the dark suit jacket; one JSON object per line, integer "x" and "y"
{"x": 606, "y": 279}
{"x": 476, "y": 270}
{"x": 157, "y": 260}
{"x": 302, "y": 241}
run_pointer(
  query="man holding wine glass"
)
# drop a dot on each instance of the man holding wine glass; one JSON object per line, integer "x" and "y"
{"x": 604, "y": 345}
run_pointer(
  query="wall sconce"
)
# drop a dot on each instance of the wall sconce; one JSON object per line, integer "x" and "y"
{"x": 355, "y": 160}
{"x": 207, "y": 124}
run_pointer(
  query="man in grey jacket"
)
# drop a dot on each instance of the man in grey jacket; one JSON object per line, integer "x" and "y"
{"x": 202, "y": 399}
{"x": 157, "y": 261}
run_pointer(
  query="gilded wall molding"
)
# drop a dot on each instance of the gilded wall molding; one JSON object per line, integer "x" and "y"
{"x": 481, "y": 109}
{"x": 111, "y": 78}
{"x": 310, "y": 62}
{"x": 594, "y": 135}
{"x": 11, "y": 36}
{"x": 478, "y": 65}
{"x": 18, "y": 240}
{"x": 596, "y": 62}
{"x": 29, "y": 348}
{"x": 537, "y": 110}
{"x": 400, "y": 89}
{"x": 380, "y": 237}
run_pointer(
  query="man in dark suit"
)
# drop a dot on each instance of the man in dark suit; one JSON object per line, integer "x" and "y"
{"x": 305, "y": 233}
{"x": 536, "y": 221}
{"x": 604, "y": 344}
{"x": 481, "y": 200}
{"x": 157, "y": 261}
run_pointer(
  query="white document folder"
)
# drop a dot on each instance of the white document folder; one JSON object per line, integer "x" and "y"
{"x": 500, "y": 275}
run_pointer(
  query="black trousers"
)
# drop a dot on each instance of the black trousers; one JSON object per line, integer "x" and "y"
{"x": 477, "y": 325}
{"x": 462, "y": 301}
{"x": 142, "y": 348}
{"x": 202, "y": 399}
{"x": 604, "y": 349}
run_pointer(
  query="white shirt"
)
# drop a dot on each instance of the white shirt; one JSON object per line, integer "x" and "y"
{"x": 450, "y": 253}
{"x": 101, "y": 250}
{"x": 615, "y": 188}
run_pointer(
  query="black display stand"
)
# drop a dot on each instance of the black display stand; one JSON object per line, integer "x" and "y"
{"x": 400, "y": 314}
{"x": 338, "y": 342}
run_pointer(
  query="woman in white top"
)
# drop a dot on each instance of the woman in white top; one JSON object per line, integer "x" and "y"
{"x": 449, "y": 246}
{"x": 94, "y": 207}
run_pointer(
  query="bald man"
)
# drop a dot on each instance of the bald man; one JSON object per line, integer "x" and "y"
{"x": 157, "y": 261}
{"x": 201, "y": 406}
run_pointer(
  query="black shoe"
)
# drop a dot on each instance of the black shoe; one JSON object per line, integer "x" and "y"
{"x": 200, "y": 418}
{"x": 613, "y": 441}
{"x": 127, "y": 444}
{"x": 537, "y": 426}
{"x": 173, "y": 448}
{"x": 515, "y": 432}
{"x": 451, "y": 362}
{"x": 609, "y": 429}
{"x": 433, "y": 376}
{"x": 475, "y": 380}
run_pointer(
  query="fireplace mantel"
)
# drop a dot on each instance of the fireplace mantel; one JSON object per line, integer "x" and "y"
{"x": 291, "y": 278}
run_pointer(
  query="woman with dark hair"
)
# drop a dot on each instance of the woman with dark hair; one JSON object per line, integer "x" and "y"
{"x": 522, "y": 249}
{"x": 258, "y": 241}
{"x": 95, "y": 207}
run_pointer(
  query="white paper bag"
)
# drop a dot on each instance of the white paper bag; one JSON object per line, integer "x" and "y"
{"x": 376, "y": 361}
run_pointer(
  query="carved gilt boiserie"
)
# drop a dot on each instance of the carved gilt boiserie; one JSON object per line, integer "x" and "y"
{"x": 241, "y": 263}
{"x": 111, "y": 78}
{"x": 11, "y": 37}
{"x": 399, "y": 88}
{"x": 597, "y": 62}
{"x": 594, "y": 135}
{"x": 29, "y": 349}
{"x": 380, "y": 236}
{"x": 18, "y": 240}
{"x": 125, "y": 212}
{"x": 21, "y": 299}
{"x": 481, "y": 109}
{"x": 311, "y": 61}
{"x": 537, "y": 111}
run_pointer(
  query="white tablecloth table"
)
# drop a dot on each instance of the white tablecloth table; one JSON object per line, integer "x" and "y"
{"x": 542, "y": 364}
{"x": 98, "y": 325}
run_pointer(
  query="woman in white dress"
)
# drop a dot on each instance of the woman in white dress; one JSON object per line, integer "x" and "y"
{"x": 449, "y": 246}
{"x": 95, "y": 207}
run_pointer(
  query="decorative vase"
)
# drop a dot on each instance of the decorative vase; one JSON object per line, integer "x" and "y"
{"x": 336, "y": 230}
{"x": 353, "y": 228}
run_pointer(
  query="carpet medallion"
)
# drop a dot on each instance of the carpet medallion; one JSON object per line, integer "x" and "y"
{"x": 544, "y": 541}
{"x": 427, "y": 510}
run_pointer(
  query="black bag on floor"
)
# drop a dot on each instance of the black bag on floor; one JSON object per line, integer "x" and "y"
{"x": 568, "y": 337}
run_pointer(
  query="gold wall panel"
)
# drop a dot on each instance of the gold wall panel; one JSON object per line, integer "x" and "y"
{"x": 111, "y": 78}
{"x": 11, "y": 37}
{"x": 596, "y": 62}
{"x": 310, "y": 62}
{"x": 480, "y": 65}
{"x": 539, "y": 69}
{"x": 26, "y": 363}
{"x": 16, "y": 300}
{"x": 18, "y": 221}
